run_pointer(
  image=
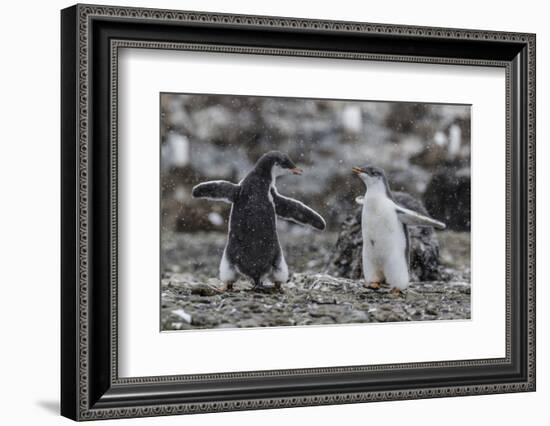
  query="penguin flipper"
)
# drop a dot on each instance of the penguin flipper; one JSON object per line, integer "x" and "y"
{"x": 295, "y": 211}
{"x": 218, "y": 190}
{"x": 410, "y": 217}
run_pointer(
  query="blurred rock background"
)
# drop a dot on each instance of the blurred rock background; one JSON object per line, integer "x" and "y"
{"x": 424, "y": 148}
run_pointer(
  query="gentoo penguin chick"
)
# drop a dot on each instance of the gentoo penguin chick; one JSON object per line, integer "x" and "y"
{"x": 253, "y": 248}
{"x": 385, "y": 234}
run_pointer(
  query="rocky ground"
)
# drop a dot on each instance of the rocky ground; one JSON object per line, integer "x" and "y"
{"x": 191, "y": 300}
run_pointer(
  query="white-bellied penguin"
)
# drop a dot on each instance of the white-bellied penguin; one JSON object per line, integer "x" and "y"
{"x": 253, "y": 248}
{"x": 385, "y": 234}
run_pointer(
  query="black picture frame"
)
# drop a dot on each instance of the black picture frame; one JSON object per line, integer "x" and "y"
{"x": 90, "y": 386}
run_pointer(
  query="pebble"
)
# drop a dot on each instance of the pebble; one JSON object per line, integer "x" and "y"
{"x": 431, "y": 309}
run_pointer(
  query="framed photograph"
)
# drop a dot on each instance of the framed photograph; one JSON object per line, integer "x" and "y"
{"x": 263, "y": 212}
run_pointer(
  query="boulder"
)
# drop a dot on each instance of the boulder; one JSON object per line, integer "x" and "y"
{"x": 447, "y": 197}
{"x": 346, "y": 259}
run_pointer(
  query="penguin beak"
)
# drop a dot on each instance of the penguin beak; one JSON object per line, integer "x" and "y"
{"x": 296, "y": 171}
{"x": 358, "y": 170}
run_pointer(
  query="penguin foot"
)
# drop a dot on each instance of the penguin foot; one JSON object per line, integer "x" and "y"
{"x": 278, "y": 286}
{"x": 373, "y": 285}
{"x": 396, "y": 291}
{"x": 227, "y": 286}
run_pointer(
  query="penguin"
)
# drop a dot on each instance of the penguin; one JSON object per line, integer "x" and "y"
{"x": 385, "y": 234}
{"x": 253, "y": 247}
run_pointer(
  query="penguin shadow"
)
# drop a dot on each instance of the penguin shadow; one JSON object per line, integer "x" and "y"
{"x": 248, "y": 287}
{"x": 268, "y": 290}
{"x": 244, "y": 286}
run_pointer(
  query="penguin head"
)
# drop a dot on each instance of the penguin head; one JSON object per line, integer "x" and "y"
{"x": 372, "y": 176}
{"x": 277, "y": 163}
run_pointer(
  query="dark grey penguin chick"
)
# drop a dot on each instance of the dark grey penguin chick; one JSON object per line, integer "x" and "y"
{"x": 253, "y": 247}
